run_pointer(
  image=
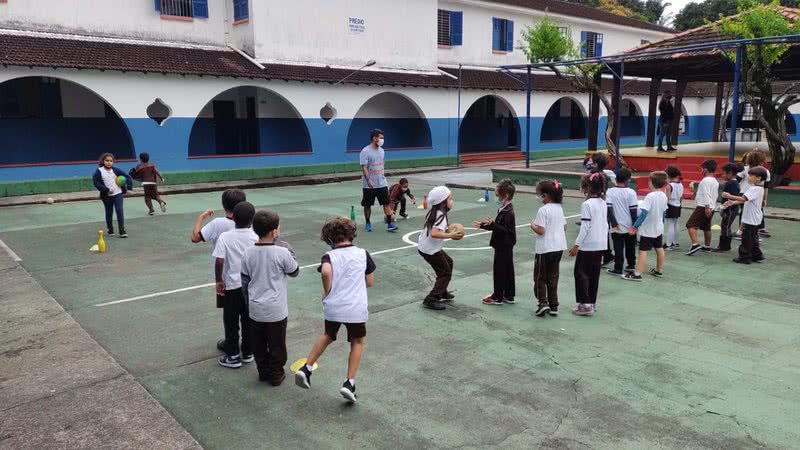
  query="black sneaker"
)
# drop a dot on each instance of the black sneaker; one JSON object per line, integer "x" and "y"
{"x": 706, "y": 248}
{"x": 348, "y": 391}
{"x": 741, "y": 261}
{"x": 432, "y": 303}
{"x": 542, "y": 310}
{"x": 221, "y": 345}
{"x": 656, "y": 273}
{"x": 302, "y": 377}
{"x": 448, "y": 296}
{"x": 661, "y": 150}
{"x": 553, "y": 311}
{"x": 630, "y": 268}
{"x": 614, "y": 272}
{"x": 404, "y": 216}
{"x": 248, "y": 358}
{"x": 110, "y": 232}
{"x": 163, "y": 207}
{"x": 672, "y": 149}
{"x": 510, "y": 301}
{"x": 695, "y": 248}
{"x": 151, "y": 213}
{"x": 123, "y": 234}
{"x": 231, "y": 362}
{"x": 630, "y": 276}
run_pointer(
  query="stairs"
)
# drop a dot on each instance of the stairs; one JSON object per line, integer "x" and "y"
{"x": 690, "y": 171}
{"x": 479, "y": 158}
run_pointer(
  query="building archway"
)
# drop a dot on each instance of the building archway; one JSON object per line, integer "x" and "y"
{"x": 46, "y": 120}
{"x": 565, "y": 120}
{"x": 402, "y": 121}
{"x": 632, "y": 122}
{"x": 749, "y": 126}
{"x": 489, "y": 125}
{"x": 247, "y": 121}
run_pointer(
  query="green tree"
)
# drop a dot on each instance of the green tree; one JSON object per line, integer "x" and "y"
{"x": 694, "y": 15}
{"x": 753, "y": 21}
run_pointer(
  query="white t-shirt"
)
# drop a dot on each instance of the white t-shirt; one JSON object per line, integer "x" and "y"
{"x": 110, "y": 181}
{"x": 347, "y": 300}
{"x": 707, "y": 192}
{"x": 612, "y": 177}
{"x": 622, "y": 199}
{"x": 594, "y": 226}
{"x": 677, "y": 194}
{"x": 744, "y": 185}
{"x": 231, "y": 246}
{"x": 211, "y": 232}
{"x": 268, "y": 267}
{"x": 656, "y": 205}
{"x": 428, "y": 244}
{"x": 551, "y": 217}
{"x": 752, "y": 214}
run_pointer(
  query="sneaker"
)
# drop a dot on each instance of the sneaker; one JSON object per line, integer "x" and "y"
{"x": 164, "y": 207}
{"x": 672, "y": 149}
{"x": 695, "y": 248}
{"x": 542, "y": 310}
{"x": 432, "y": 303}
{"x": 302, "y": 377}
{"x": 630, "y": 269}
{"x": 392, "y": 227}
{"x": 368, "y": 227}
{"x": 655, "y": 273}
{"x": 123, "y": 234}
{"x": 447, "y": 297}
{"x": 741, "y": 261}
{"x": 489, "y": 300}
{"x": 614, "y": 272}
{"x": 631, "y": 276}
{"x": 110, "y": 232}
{"x": 348, "y": 391}
{"x": 706, "y": 248}
{"x": 404, "y": 215}
{"x": 510, "y": 301}
{"x": 738, "y": 235}
{"x": 661, "y": 150}
{"x": 720, "y": 250}
{"x": 151, "y": 213}
{"x": 583, "y": 309}
{"x": 669, "y": 247}
{"x": 221, "y": 345}
{"x": 676, "y": 246}
{"x": 231, "y": 362}
{"x": 248, "y": 358}
{"x": 553, "y": 311}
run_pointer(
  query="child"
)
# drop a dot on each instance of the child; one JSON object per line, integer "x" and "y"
{"x": 622, "y": 205}
{"x": 265, "y": 271}
{"x": 675, "y": 195}
{"x": 600, "y": 162}
{"x": 105, "y": 180}
{"x": 650, "y": 225}
{"x": 757, "y": 158}
{"x": 211, "y": 231}
{"x": 590, "y": 245}
{"x": 744, "y": 184}
{"x": 146, "y": 172}
{"x": 706, "y": 199}
{"x": 750, "y": 250}
{"x": 729, "y": 190}
{"x": 551, "y": 241}
{"x": 504, "y": 237}
{"x": 398, "y": 193}
{"x": 344, "y": 300}
{"x": 229, "y": 252}
{"x": 430, "y": 243}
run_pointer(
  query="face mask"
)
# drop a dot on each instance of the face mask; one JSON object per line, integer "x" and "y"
{"x": 380, "y": 142}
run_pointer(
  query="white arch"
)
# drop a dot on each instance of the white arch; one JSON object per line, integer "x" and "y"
{"x": 499, "y": 97}
{"x": 635, "y": 105}
{"x": 270, "y": 91}
{"x": 408, "y": 99}
{"x": 575, "y": 100}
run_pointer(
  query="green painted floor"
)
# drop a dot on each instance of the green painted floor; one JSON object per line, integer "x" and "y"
{"x": 707, "y": 357}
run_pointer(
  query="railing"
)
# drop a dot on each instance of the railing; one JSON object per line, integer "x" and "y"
{"x": 177, "y": 8}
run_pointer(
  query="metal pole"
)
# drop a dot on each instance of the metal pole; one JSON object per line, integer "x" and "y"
{"x": 735, "y": 106}
{"x": 458, "y": 121}
{"x": 618, "y": 78}
{"x": 528, "y": 122}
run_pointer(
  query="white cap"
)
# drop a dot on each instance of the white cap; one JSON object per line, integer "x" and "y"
{"x": 438, "y": 195}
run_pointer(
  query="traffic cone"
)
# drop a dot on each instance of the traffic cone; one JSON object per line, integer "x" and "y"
{"x": 101, "y": 243}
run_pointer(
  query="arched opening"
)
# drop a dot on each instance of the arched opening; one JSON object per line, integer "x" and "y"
{"x": 683, "y": 123}
{"x": 401, "y": 121}
{"x": 749, "y": 127}
{"x": 632, "y": 122}
{"x": 46, "y": 120}
{"x": 489, "y": 125}
{"x": 564, "y": 120}
{"x": 246, "y": 121}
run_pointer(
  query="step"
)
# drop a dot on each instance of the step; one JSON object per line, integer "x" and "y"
{"x": 474, "y": 158}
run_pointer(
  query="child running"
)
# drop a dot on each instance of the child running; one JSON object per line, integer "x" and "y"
{"x": 430, "y": 243}
{"x": 111, "y": 193}
{"x": 590, "y": 245}
{"x": 706, "y": 199}
{"x": 650, "y": 225}
{"x": 503, "y": 240}
{"x": 675, "y": 195}
{"x": 397, "y": 196}
{"x": 147, "y": 173}
{"x": 347, "y": 271}
{"x": 266, "y": 269}
{"x": 622, "y": 212}
{"x": 550, "y": 228}
{"x": 729, "y": 190}
{"x": 752, "y": 217}
{"x": 229, "y": 253}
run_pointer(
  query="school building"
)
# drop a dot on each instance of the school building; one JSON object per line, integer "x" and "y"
{"x": 227, "y": 89}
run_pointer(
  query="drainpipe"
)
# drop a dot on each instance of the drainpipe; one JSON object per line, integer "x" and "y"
{"x": 247, "y": 57}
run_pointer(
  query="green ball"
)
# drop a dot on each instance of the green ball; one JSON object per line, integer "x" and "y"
{"x": 121, "y": 181}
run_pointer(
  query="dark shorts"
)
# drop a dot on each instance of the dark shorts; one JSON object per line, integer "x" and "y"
{"x": 699, "y": 220}
{"x": 673, "y": 212}
{"x": 648, "y": 243}
{"x": 369, "y": 196}
{"x": 354, "y": 330}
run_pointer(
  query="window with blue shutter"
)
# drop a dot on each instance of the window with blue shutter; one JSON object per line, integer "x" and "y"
{"x": 591, "y": 44}
{"x": 183, "y": 8}
{"x": 598, "y": 44}
{"x": 158, "y": 5}
{"x": 456, "y": 24}
{"x": 449, "y": 27}
{"x": 502, "y": 35}
{"x": 496, "y": 33}
{"x": 241, "y": 10}
{"x": 200, "y": 8}
{"x": 509, "y": 36}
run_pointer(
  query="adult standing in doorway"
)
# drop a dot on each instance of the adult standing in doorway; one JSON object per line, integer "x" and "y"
{"x": 373, "y": 181}
{"x": 666, "y": 116}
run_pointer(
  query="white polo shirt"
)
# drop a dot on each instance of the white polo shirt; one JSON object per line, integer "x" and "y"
{"x": 231, "y": 246}
{"x": 428, "y": 244}
{"x": 707, "y": 192}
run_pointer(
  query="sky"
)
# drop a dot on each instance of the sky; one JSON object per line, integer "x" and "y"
{"x": 677, "y": 5}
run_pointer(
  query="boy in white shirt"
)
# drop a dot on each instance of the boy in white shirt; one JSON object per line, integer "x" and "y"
{"x": 752, "y": 216}
{"x": 706, "y": 199}
{"x": 229, "y": 252}
{"x": 347, "y": 271}
{"x": 622, "y": 212}
{"x": 266, "y": 269}
{"x": 650, "y": 225}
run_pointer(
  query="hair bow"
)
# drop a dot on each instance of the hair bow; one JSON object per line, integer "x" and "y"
{"x": 556, "y": 184}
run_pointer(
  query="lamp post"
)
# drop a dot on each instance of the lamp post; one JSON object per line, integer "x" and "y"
{"x": 369, "y": 63}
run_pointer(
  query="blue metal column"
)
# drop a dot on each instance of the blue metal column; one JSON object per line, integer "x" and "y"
{"x": 619, "y": 79}
{"x": 735, "y": 106}
{"x": 528, "y": 122}
{"x": 458, "y": 121}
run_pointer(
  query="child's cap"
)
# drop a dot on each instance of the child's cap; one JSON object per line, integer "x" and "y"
{"x": 438, "y": 195}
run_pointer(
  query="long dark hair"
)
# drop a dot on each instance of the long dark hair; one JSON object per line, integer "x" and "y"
{"x": 433, "y": 218}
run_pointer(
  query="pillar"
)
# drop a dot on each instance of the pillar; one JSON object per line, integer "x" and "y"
{"x": 680, "y": 89}
{"x": 652, "y": 111}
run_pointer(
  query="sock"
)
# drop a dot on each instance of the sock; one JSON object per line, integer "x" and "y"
{"x": 310, "y": 369}
{"x": 638, "y": 274}
{"x": 352, "y": 381}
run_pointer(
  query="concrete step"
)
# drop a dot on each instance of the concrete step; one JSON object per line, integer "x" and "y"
{"x": 476, "y": 158}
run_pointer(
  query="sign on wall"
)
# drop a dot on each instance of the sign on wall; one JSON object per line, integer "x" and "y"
{"x": 357, "y": 25}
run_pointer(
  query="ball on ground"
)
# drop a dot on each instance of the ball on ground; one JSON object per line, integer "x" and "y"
{"x": 121, "y": 180}
{"x": 50, "y": 200}
{"x": 715, "y": 227}
{"x": 456, "y": 228}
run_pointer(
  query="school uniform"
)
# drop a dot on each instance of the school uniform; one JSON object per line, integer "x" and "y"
{"x": 706, "y": 198}
{"x": 651, "y": 230}
{"x": 346, "y": 303}
{"x": 622, "y": 204}
{"x": 503, "y": 239}
{"x": 210, "y": 233}
{"x": 673, "y": 213}
{"x": 592, "y": 242}
{"x": 548, "y": 252}
{"x": 430, "y": 248}
{"x": 265, "y": 271}
{"x": 148, "y": 175}
{"x": 231, "y": 246}
{"x": 728, "y": 215}
{"x": 752, "y": 217}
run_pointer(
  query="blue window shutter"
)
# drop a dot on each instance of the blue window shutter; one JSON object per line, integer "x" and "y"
{"x": 509, "y": 36}
{"x": 241, "y": 10}
{"x": 598, "y": 44}
{"x": 456, "y": 21}
{"x": 496, "y": 32}
{"x": 158, "y": 5}
{"x": 200, "y": 9}
{"x": 584, "y": 38}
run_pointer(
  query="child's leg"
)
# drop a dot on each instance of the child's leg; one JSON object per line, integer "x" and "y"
{"x": 108, "y": 204}
{"x": 596, "y": 265}
{"x": 244, "y": 319}
{"x": 581, "y": 277}
{"x": 540, "y": 278}
{"x": 509, "y": 283}
{"x": 442, "y": 266}
{"x": 403, "y": 206}
{"x": 230, "y": 316}
{"x": 120, "y": 215}
{"x": 498, "y": 275}
{"x": 755, "y": 252}
{"x": 353, "y": 361}
{"x": 260, "y": 343}
{"x": 552, "y": 271}
{"x": 148, "y": 196}
{"x": 659, "y": 258}
{"x": 619, "y": 255}
{"x": 749, "y": 234}
{"x": 670, "y": 227}
{"x": 641, "y": 264}
{"x": 707, "y": 237}
{"x": 630, "y": 249}
{"x": 319, "y": 347}
{"x": 693, "y": 235}
{"x": 275, "y": 338}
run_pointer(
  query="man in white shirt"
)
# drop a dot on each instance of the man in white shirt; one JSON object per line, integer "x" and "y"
{"x": 706, "y": 199}
{"x": 373, "y": 181}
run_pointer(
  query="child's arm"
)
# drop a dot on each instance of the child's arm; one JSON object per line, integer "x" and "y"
{"x": 612, "y": 219}
{"x": 439, "y": 234}
{"x": 158, "y": 173}
{"x": 198, "y": 225}
{"x": 326, "y": 272}
{"x": 370, "y": 280}
{"x": 245, "y": 284}
{"x": 586, "y": 225}
{"x": 289, "y": 262}
{"x": 97, "y": 179}
{"x": 639, "y": 221}
{"x": 219, "y": 263}
{"x": 538, "y": 229}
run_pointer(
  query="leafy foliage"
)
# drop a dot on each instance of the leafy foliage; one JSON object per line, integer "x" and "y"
{"x": 694, "y": 15}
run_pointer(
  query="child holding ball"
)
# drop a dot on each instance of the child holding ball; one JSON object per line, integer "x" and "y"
{"x": 430, "y": 244}
{"x": 550, "y": 227}
{"x": 504, "y": 237}
{"x": 106, "y": 180}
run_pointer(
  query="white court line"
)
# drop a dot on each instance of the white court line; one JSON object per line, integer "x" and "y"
{"x": 9, "y": 251}
{"x": 205, "y": 285}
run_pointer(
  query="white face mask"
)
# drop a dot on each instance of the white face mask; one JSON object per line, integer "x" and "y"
{"x": 380, "y": 142}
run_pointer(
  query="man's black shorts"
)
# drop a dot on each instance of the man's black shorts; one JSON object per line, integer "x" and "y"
{"x": 354, "y": 330}
{"x": 370, "y": 194}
